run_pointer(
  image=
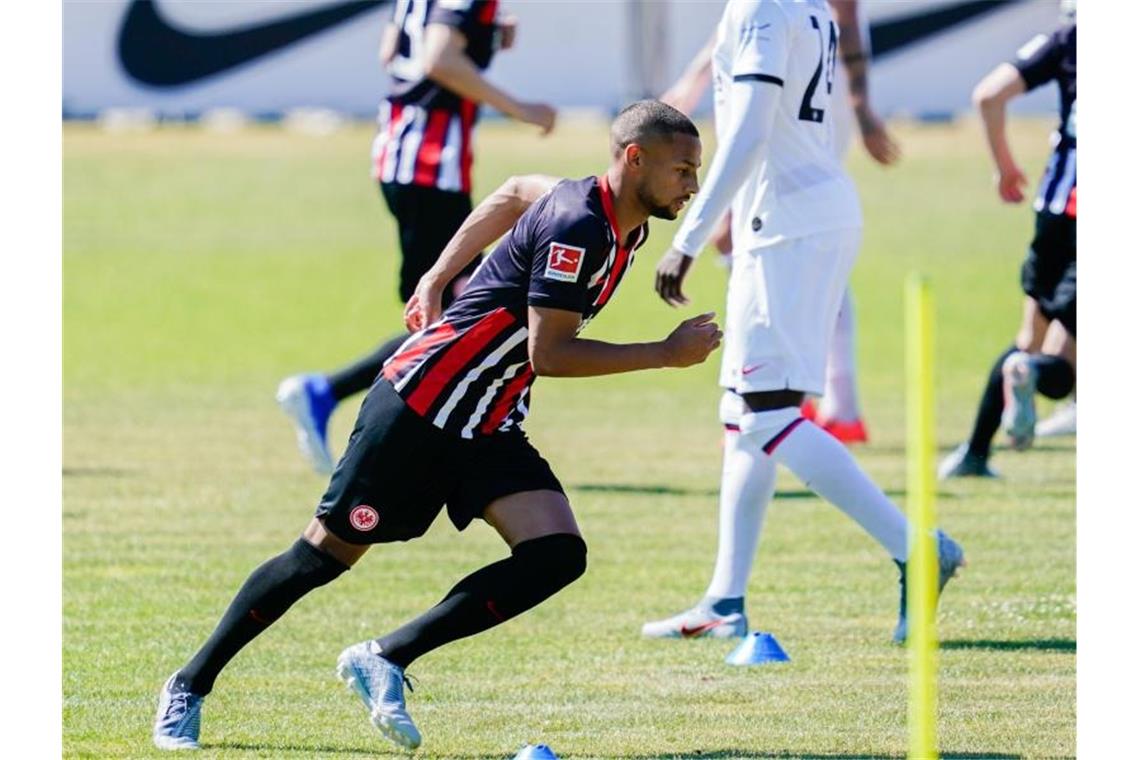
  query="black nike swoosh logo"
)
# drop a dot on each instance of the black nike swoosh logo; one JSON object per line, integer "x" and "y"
{"x": 155, "y": 52}
{"x": 891, "y": 36}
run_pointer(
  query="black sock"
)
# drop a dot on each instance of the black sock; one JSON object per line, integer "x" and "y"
{"x": 360, "y": 375}
{"x": 988, "y": 419}
{"x": 491, "y": 595}
{"x": 266, "y": 594}
{"x": 1055, "y": 376}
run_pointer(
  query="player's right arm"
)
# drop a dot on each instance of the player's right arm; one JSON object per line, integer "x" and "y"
{"x": 446, "y": 63}
{"x": 990, "y": 97}
{"x": 489, "y": 221}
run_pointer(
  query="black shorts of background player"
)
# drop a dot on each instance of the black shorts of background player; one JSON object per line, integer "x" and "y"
{"x": 1043, "y": 358}
{"x": 421, "y": 159}
{"x": 442, "y": 425}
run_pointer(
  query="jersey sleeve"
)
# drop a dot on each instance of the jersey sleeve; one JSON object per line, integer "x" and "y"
{"x": 1038, "y": 60}
{"x": 761, "y": 49}
{"x": 465, "y": 15}
{"x": 568, "y": 252}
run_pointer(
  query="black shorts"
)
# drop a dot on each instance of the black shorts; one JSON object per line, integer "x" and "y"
{"x": 427, "y": 219}
{"x": 399, "y": 471}
{"x": 1049, "y": 272}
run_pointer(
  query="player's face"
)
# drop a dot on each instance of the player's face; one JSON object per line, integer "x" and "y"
{"x": 668, "y": 176}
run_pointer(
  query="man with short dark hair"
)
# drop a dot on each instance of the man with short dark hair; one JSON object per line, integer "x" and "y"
{"x": 442, "y": 424}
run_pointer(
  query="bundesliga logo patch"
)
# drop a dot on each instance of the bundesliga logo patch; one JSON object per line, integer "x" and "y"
{"x": 364, "y": 518}
{"x": 564, "y": 262}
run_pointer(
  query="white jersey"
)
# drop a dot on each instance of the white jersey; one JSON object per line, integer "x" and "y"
{"x": 799, "y": 187}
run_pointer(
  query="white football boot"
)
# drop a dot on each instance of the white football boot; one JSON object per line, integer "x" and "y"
{"x": 700, "y": 622}
{"x": 380, "y": 685}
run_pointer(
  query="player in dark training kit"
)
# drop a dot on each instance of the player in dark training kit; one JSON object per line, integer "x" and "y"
{"x": 434, "y": 52}
{"x": 441, "y": 425}
{"x": 1043, "y": 358}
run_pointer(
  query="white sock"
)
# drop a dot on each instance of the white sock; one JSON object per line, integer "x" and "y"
{"x": 827, "y": 467}
{"x": 840, "y": 400}
{"x": 747, "y": 483}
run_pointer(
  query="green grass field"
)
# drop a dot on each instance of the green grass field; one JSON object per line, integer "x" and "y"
{"x": 201, "y": 268}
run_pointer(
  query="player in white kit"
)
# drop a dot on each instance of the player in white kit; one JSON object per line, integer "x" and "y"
{"x": 796, "y": 224}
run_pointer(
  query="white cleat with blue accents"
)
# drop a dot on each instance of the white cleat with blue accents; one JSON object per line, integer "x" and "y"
{"x": 179, "y": 717}
{"x": 950, "y": 559}
{"x": 380, "y": 685}
{"x": 1019, "y": 386}
{"x": 700, "y": 622}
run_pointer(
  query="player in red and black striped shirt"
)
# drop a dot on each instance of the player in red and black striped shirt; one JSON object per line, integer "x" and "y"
{"x": 434, "y": 52}
{"x": 441, "y": 425}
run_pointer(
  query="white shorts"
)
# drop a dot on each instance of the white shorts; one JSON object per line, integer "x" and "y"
{"x": 783, "y": 301}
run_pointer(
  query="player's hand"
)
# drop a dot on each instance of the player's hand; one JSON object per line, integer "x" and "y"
{"x": 508, "y": 29}
{"x": 1010, "y": 183}
{"x": 671, "y": 271}
{"x": 425, "y": 306}
{"x": 878, "y": 142}
{"x": 692, "y": 341}
{"x": 539, "y": 114}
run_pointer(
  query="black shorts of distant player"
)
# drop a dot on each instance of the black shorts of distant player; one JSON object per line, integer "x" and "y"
{"x": 400, "y": 470}
{"x": 1049, "y": 272}
{"x": 426, "y": 218}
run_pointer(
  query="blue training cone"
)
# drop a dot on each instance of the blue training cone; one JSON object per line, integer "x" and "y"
{"x": 536, "y": 752}
{"x": 757, "y": 648}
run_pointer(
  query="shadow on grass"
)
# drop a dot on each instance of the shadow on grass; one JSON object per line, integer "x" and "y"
{"x": 650, "y": 489}
{"x": 96, "y": 472}
{"x": 739, "y": 754}
{"x": 751, "y": 754}
{"x": 712, "y": 754}
{"x": 999, "y": 645}
{"x": 644, "y": 489}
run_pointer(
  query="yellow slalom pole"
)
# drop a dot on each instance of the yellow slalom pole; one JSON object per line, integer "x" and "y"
{"x": 921, "y": 568}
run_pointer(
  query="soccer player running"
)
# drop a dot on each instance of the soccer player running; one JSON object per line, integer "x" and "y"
{"x": 796, "y": 224}
{"x": 1043, "y": 358}
{"x": 838, "y": 412}
{"x": 441, "y": 425}
{"x": 434, "y": 52}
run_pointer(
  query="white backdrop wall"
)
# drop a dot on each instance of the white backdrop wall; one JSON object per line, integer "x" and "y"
{"x": 573, "y": 53}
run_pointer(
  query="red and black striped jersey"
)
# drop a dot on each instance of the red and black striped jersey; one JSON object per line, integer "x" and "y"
{"x": 424, "y": 129}
{"x": 1047, "y": 59}
{"x": 469, "y": 372}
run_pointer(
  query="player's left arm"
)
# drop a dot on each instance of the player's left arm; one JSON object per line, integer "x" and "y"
{"x": 855, "y": 59}
{"x": 557, "y": 351}
{"x": 489, "y": 221}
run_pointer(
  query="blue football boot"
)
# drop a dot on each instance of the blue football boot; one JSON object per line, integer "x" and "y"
{"x": 309, "y": 402}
